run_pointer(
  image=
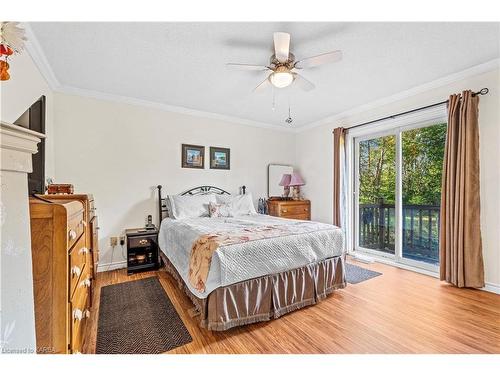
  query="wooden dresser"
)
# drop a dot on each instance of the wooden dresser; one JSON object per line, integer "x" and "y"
{"x": 61, "y": 274}
{"x": 90, "y": 216}
{"x": 290, "y": 209}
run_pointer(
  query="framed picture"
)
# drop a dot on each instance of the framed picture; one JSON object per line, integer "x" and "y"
{"x": 220, "y": 158}
{"x": 193, "y": 156}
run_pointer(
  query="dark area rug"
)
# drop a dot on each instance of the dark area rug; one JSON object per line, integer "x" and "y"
{"x": 356, "y": 274}
{"x": 137, "y": 317}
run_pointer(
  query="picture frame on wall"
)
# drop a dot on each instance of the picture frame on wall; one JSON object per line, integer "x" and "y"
{"x": 220, "y": 158}
{"x": 193, "y": 156}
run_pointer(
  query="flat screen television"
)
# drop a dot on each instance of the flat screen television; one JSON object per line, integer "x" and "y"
{"x": 34, "y": 119}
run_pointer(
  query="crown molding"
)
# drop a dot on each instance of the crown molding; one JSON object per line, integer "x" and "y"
{"x": 440, "y": 82}
{"x": 167, "y": 107}
{"x": 36, "y": 52}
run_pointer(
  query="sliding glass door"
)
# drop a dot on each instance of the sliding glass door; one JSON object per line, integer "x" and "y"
{"x": 397, "y": 193}
{"x": 377, "y": 193}
{"x": 422, "y": 164}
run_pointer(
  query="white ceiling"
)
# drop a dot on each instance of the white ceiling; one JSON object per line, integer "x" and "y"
{"x": 183, "y": 64}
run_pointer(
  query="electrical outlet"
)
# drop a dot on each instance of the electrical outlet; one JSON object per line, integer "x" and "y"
{"x": 113, "y": 241}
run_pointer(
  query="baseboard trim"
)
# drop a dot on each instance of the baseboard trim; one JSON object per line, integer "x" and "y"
{"x": 492, "y": 288}
{"x": 103, "y": 267}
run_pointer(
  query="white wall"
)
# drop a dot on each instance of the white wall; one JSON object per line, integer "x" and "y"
{"x": 120, "y": 152}
{"x": 25, "y": 86}
{"x": 314, "y": 157}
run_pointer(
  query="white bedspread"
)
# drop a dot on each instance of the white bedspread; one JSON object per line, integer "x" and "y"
{"x": 243, "y": 261}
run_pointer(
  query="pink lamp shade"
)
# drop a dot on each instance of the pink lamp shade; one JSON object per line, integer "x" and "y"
{"x": 285, "y": 180}
{"x": 296, "y": 180}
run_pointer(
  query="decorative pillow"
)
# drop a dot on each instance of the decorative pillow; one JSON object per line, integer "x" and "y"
{"x": 240, "y": 204}
{"x": 186, "y": 206}
{"x": 219, "y": 209}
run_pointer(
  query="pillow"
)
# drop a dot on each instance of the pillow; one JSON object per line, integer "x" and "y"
{"x": 240, "y": 204}
{"x": 186, "y": 206}
{"x": 219, "y": 209}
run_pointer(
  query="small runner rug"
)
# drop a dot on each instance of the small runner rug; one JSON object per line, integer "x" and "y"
{"x": 137, "y": 317}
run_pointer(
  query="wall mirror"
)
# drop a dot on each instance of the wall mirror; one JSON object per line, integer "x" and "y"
{"x": 274, "y": 174}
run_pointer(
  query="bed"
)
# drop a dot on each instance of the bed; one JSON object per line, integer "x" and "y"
{"x": 262, "y": 267}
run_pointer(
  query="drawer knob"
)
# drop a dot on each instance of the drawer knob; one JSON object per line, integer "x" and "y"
{"x": 305, "y": 209}
{"x": 86, "y": 283}
{"x": 76, "y": 271}
{"x": 72, "y": 234}
{"x": 83, "y": 250}
{"x": 77, "y": 314}
{"x": 284, "y": 211}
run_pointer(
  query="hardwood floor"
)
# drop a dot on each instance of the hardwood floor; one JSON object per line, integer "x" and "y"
{"x": 398, "y": 312}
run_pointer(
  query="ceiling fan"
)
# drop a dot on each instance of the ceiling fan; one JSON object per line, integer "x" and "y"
{"x": 283, "y": 67}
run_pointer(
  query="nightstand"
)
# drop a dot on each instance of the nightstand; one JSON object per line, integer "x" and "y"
{"x": 142, "y": 250}
{"x": 290, "y": 209}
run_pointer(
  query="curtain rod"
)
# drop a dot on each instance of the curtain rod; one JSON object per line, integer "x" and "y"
{"x": 483, "y": 91}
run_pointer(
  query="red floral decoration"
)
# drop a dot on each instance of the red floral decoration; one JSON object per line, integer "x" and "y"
{"x": 11, "y": 41}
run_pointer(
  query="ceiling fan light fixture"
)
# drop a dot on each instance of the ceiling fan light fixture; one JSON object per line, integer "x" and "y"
{"x": 281, "y": 77}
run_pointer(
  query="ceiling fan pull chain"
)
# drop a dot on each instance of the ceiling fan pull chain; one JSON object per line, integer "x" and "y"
{"x": 289, "y": 120}
{"x": 274, "y": 99}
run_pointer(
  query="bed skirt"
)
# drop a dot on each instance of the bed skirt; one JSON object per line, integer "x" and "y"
{"x": 267, "y": 297}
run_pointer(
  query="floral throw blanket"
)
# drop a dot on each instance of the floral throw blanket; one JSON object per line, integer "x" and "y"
{"x": 204, "y": 247}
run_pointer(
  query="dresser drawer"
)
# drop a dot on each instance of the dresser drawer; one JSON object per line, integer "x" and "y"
{"x": 94, "y": 243}
{"x": 77, "y": 259}
{"x": 294, "y": 209}
{"x": 76, "y": 227}
{"x": 91, "y": 209}
{"x": 83, "y": 285}
{"x": 80, "y": 314}
{"x": 145, "y": 241}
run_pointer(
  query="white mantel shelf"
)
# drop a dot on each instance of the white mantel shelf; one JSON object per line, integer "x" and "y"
{"x": 17, "y": 144}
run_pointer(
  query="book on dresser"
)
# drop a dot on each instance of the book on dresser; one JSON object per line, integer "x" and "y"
{"x": 62, "y": 272}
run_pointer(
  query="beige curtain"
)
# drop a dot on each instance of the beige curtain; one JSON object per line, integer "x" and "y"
{"x": 338, "y": 159}
{"x": 460, "y": 250}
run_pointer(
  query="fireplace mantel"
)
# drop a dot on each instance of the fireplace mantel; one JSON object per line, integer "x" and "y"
{"x": 17, "y": 317}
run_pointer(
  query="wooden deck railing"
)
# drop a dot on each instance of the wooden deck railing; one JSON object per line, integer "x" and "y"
{"x": 420, "y": 230}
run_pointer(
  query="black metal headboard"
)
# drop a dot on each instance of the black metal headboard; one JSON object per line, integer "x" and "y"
{"x": 199, "y": 190}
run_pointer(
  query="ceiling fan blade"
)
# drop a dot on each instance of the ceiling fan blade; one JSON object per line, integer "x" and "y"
{"x": 303, "y": 83}
{"x": 263, "y": 85}
{"x": 236, "y": 66}
{"x": 281, "y": 46}
{"x": 324, "y": 58}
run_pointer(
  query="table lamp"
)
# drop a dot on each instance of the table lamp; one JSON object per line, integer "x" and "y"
{"x": 296, "y": 182}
